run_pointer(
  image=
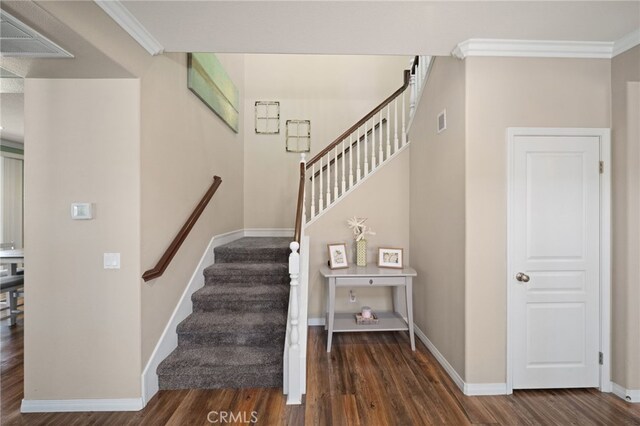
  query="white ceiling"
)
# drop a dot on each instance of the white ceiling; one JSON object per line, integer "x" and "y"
{"x": 375, "y": 27}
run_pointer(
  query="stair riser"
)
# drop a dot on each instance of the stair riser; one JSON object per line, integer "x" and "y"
{"x": 257, "y": 338}
{"x": 258, "y": 377}
{"x": 251, "y": 256}
{"x": 227, "y": 306}
{"x": 245, "y": 280}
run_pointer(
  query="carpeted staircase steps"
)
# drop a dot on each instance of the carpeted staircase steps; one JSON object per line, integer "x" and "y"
{"x": 235, "y": 336}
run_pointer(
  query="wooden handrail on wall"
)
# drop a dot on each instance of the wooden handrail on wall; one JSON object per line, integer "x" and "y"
{"x": 318, "y": 156}
{"x": 171, "y": 251}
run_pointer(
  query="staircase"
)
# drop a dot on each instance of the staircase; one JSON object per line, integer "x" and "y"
{"x": 235, "y": 336}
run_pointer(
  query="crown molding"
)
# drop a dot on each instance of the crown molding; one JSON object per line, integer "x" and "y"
{"x": 116, "y": 10}
{"x": 627, "y": 42}
{"x": 533, "y": 48}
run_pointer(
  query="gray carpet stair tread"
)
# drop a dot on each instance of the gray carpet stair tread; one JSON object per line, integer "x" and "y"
{"x": 257, "y": 292}
{"x": 248, "y": 268}
{"x": 202, "y": 360}
{"x": 257, "y": 243}
{"x": 238, "y": 321}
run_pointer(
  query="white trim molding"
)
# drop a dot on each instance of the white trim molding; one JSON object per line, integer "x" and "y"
{"x": 119, "y": 13}
{"x": 75, "y": 405}
{"x": 315, "y": 322}
{"x": 169, "y": 339}
{"x": 629, "y": 395}
{"x": 441, "y": 359}
{"x": 469, "y": 389}
{"x": 533, "y": 48}
{"x": 627, "y": 42}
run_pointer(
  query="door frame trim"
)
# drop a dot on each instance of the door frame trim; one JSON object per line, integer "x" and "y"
{"x": 604, "y": 134}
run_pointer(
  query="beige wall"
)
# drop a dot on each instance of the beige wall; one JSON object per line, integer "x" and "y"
{"x": 183, "y": 145}
{"x": 82, "y": 322}
{"x": 625, "y": 117}
{"x": 384, "y": 200}
{"x": 501, "y": 93}
{"x": 437, "y": 211}
{"x": 332, "y": 91}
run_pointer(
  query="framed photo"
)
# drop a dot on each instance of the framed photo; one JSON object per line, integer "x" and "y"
{"x": 338, "y": 256}
{"x": 390, "y": 258}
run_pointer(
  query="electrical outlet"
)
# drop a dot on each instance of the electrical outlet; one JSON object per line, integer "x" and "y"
{"x": 352, "y": 296}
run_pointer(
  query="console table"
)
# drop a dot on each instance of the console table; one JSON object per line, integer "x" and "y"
{"x": 371, "y": 276}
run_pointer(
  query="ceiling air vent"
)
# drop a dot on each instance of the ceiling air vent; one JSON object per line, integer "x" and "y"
{"x": 19, "y": 40}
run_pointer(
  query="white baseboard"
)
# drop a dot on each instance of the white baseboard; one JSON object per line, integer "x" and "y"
{"x": 313, "y": 322}
{"x": 72, "y": 405}
{"x": 169, "y": 339}
{"x": 629, "y": 395}
{"x": 441, "y": 359}
{"x": 478, "y": 389}
{"x": 470, "y": 389}
{"x": 268, "y": 232}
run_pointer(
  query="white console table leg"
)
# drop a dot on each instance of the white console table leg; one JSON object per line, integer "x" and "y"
{"x": 331, "y": 305}
{"x": 409, "y": 289}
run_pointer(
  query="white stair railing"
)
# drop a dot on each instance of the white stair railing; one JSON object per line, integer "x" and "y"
{"x": 371, "y": 142}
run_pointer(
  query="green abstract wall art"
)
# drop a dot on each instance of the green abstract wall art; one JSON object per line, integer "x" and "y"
{"x": 208, "y": 80}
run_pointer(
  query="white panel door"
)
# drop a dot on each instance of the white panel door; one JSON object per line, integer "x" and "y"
{"x": 555, "y": 207}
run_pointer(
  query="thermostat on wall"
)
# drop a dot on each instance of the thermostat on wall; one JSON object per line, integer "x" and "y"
{"x": 81, "y": 211}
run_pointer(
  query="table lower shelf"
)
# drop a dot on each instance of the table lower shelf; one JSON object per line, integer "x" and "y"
{"x": 387, "y": 321}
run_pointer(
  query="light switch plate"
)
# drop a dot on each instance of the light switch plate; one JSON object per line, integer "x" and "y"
{"x": 112, "y": 261}
{"x": 81, "y": 211}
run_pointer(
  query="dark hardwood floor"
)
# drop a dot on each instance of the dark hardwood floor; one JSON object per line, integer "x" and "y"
{"x": 368, "y": 380}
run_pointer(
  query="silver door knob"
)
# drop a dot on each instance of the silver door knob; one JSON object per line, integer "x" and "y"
{"x": 522, "y": 277}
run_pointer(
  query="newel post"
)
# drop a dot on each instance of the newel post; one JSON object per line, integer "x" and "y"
{"x": 295, "y": 391}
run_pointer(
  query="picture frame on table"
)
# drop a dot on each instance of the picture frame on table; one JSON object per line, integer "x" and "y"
{"x": 338, "y": 258}
{"x": 390, "y": 258}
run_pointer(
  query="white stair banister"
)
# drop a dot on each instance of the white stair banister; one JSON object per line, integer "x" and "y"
{"x": 313, "y": 191}
{"x": 358, "y": 173}
{"x": 373, "y": 143}
{"x": 350, "y": 161}
{"x": 388, "y": 133}
{"x": 328, "y": 182}
{"x": 404, "y": 129}
{"x": 366, "y": 150}
{"x": 335, "y": 180}
{"x": 320, "y": 194}
{"x": 381, "y": 138}
{"x": 395, "y": 125}
{"x": 344, "y": 171}
{"x": 294, "y": 388}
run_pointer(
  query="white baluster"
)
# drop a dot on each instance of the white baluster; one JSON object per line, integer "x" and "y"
{"x": 358, "y": 175}
{"x": 344, "y": 171}
{"x": 303, "y": 160}
{"x": 366, "y": 150}
{"x": 320, "y": 193}
{"x": 328, "y": 180}
{"x": 313, "y": 190}
{"x": 350, "y": 161}
{"x": 295, "y": 391}
{"x": 335, "y": 168}
{"x": 404, "y": 131}
{"x": 412, "y": 94}
{"x": 388, "y": 130}
{"x": 381, "y": 138}
{"x": 395, "y": 125}
{"x": 373, "y": 142}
